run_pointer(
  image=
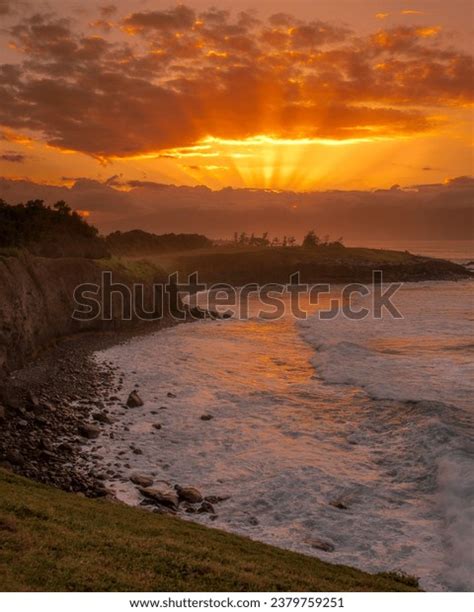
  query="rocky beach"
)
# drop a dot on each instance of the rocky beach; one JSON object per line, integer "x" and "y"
{"x": 131, "y": 425}
{"x": 49, "y": 408}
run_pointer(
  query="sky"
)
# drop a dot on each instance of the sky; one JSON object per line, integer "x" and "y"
{"x": 300, "y": 96}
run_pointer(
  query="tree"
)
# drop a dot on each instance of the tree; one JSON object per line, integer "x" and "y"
{"x": 311, "y": 240}
{"x": 49, "y": 232}
{"x": 62, "y": 207}
{"x": 291, "y": 241}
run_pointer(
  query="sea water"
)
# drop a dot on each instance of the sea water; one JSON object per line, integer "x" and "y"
{"x": 357, "y": 434}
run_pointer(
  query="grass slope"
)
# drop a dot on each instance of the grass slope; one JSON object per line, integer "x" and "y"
{"x": 56, "y": 541}
{"x": 294, "y": 256}
{"x": 334, "y": 264}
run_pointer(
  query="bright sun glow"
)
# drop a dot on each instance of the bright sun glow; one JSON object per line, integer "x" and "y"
{"x": 268, "y": 162}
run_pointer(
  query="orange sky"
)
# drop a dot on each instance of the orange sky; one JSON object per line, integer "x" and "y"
{"x": 300, "y": 95}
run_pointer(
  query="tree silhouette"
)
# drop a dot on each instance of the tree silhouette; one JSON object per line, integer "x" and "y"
{"x": 49, "y": 232}
{"x": 311, "y": 240}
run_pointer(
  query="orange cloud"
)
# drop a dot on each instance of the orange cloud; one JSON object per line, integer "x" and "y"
{"x": 189, "y": 76}
{"x": 411, "y": 12}
{"x": 428, "y": 32}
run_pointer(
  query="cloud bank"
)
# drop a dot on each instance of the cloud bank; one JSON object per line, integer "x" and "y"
{"x": 431, "y": 211}
{"x": 161, "y": 79}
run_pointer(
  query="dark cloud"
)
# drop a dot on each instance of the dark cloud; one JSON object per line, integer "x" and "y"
{"x": 461, "y": 182}
{"x": 180, "y": 17}
{"x": 6, "y": 7}
{"x": 107, "y": 10}
{"x": 436, "y": 211}
{"x": 147, "y": 185}
{"x": 13, "y": 156}
{"x": 178, "y": 75}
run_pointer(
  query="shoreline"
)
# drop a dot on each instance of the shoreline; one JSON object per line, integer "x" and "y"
{"x": 78, "y": 387}
{"x": 187, "y": 452}
{"x": 62, "y": 462}
{"x": 54, "y": 397}
{"x": 46, "y": 406}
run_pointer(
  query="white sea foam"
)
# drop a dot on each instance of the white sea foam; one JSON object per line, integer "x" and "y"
{"x": 426, "y": 359}
{"x": 284, "y": 443}
{"x": 428, "y": 355}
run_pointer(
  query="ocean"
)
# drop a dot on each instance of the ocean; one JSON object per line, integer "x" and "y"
{"x": 356, "y": 436}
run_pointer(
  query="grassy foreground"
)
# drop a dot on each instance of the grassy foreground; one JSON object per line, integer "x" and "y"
{"x": 56, "y": 541}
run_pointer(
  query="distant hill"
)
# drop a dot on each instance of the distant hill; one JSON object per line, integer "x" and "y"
{"x": 138, "y": 242}
{"x": 331, "y": 263}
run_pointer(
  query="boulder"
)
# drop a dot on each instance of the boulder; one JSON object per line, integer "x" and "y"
{"x": 196, "y": 312}
{"x": 65, "y": 447}
{"x": 156, "y": 426}
{"x": 189, "y": 494}
{"x": 89, "y": 431}
{"x": 339, "y": 504}
{"x": 161, "y": 496}
{"x": 216, "y": 499}
{"x": 206, "y": 508}
{"x": 321, "y": 545}
{"x": 134, "y": 400}
{"x": 142, "y": 480}
{"x": 101, "y": 417}
{"x": 171, "y": 395}
{"x": 189, "y": 508}
{"x": 206, "y": 417}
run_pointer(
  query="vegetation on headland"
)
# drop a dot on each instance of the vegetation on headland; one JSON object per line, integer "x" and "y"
{"x": 323, "y": 263}
{"x": 48, "y": 232}
{"x": 56, "y": 541}
{"x": 135, "y": 269}
{"x": 138, "y": 242}
{"x": 59, "y": 232}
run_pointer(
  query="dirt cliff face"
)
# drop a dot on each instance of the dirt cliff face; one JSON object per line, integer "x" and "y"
{"x": 37, "y": 303}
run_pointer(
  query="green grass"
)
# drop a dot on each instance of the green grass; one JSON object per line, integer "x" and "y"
{"x": 56, "y": 541}
{"x": 239, "y": 266}
{"x": 277, "y": 255}
{"x": 137, "y": 269}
